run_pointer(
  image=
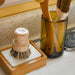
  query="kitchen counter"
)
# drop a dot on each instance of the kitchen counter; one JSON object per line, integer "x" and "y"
{"x": 64, "y": 65}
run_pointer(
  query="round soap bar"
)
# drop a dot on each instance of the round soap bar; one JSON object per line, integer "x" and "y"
{"x": 21, "y": 42}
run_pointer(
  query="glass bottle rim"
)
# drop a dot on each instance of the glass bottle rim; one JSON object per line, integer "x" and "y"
{"x": 66, "y": 19}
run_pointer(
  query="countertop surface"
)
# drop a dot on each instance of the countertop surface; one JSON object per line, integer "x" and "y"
{"x": 64, "y": 65}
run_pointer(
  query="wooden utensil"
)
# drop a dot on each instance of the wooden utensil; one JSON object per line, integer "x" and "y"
{"x": 50, "y": 30}
{"x": 63, "y": 7}
{"x": 1, "y": 2}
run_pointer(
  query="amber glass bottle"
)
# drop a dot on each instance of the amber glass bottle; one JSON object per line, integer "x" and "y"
{"x": 59, "y": 32}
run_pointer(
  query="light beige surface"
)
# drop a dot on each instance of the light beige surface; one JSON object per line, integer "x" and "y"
{"x": 65, "y": 65}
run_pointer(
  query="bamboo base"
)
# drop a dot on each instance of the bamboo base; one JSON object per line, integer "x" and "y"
{"x": 25, "y": 67}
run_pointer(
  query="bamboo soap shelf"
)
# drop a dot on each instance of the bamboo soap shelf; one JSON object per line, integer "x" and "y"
{"x": 13, "y": 66}
{"x": 11, "y": 7}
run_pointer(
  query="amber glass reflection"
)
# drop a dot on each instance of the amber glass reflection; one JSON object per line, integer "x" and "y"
{"x": 60, "y": 27}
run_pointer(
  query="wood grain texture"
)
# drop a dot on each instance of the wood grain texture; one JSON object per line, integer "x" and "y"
{"x": 23, "y": 68}
{"x": 23, "y": 7}
{"x": 13, "y": 2}
{"x": 1, "y": 2}
{"x": 50, "y": 29}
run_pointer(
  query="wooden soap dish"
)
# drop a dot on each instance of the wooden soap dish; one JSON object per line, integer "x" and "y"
{"x": 23, "y": 68}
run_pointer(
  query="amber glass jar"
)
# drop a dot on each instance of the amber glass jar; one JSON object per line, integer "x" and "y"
{"x": 59, "y": 30}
